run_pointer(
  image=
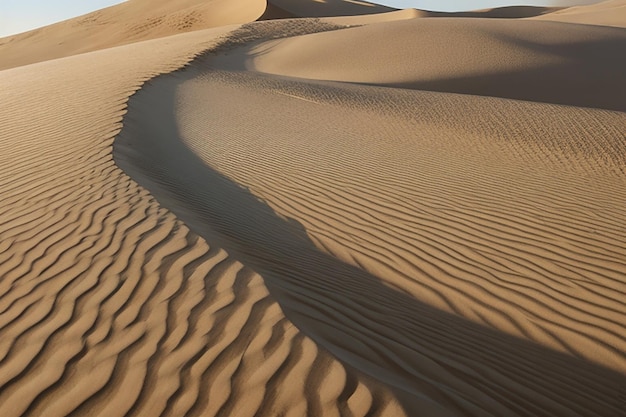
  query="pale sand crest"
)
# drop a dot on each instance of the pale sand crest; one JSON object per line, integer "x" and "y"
{"x": 132, "y": 21}
{"x": 332, "y": 248}
{"x": 527, "y": 60}
{"x": 605, "y": 13}
{"x": 138, "y": 20}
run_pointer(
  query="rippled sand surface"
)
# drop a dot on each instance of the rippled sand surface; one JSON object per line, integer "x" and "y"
{"x": 301, "y": 217}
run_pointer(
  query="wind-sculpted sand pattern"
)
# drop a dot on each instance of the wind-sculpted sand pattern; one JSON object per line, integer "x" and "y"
{"x": 110, "y": 305}
{"x": 466, "y": 251}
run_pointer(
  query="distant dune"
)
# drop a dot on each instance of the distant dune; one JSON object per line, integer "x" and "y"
{"x": 535, "y": 61}
{"x": 128, "y": 22}
{"x": 606, "y": 13}
{"x": 309, "y": 208}
{"x": 137, "y": 20}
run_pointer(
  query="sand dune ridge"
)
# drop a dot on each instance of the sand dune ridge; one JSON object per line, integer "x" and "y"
{"x": 406, "y": 230}
{"x": 298, "y": 217}
{"x": 110, "y": 305}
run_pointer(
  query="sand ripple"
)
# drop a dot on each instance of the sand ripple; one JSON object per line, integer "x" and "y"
{"x": 465, "y": 251}
{"x": 110, "y": 305}
{"x": 242, "y": 244}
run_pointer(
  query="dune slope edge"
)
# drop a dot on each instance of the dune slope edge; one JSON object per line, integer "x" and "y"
{"x": 466, "y": 251}
{"x": 549, "y": 62}
{"x": 109, "y": 304}
{"x": 124, "y": 23}
{"x": 604, "y": 13}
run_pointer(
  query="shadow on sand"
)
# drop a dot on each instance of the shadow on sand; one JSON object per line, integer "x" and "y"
{"x": 588, "y": 71}
{"x": 438, "y": 364}
{"x": 591, "y": 74}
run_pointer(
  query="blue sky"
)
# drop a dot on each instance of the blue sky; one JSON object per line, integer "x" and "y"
{"x": 21, "y": 15}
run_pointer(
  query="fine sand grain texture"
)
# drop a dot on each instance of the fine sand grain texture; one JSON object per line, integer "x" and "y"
{"x": 110, "y": 305}
{"x": 466, "y": 251}
{"x": 366, "y": 214}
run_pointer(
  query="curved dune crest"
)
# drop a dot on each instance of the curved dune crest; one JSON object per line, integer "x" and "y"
{"x": 325, "y": 8}
{"x": 605, "y": 13}
{"x": 534, "y": 61}
{"x": 110, "y": 305}
{"x": 276, "y": 219}
{"x": 132, "y": 21}
{"x": 465, "y": 251}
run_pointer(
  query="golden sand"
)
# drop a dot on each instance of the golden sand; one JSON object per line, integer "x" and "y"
{"x": 344, "y": 213}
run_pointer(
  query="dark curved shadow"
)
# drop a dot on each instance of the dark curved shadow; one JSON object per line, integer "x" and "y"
{"x": 326, "y": 8}
{"x": 506, "y": 12}
{"x": 438, "y": 364}
{"x": 280, "y": 9}
{"x": 590, "y": 73}
{"x": 274, "y": 12}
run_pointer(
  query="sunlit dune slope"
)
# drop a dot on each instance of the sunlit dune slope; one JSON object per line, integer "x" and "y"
{"x": 535, "y": 61}
{"x": 137, "y": 20}
{"x": 109, "y": 304}
{"x": 362, "y": 215}
{"x": 465, "y": 251}
{"x": 606, "y": 13}
{"x": 128, "y": 22}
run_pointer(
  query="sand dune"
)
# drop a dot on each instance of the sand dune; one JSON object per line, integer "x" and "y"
{"x": 109, "y": 304}
{"x": 137, "y": 20}
{"x": 314, "y": 8}
{"x": 535, "y": 61}
{"x": 132, "y": 21}
{"x": 271, "y": 219}
{"x": 507, "y": 12}
{"x": 467, "y": 213}
{"x": 605, "y": 13}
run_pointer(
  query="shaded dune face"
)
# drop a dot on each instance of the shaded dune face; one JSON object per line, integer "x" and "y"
{"x": 276, "y": 220}
{"x": 447, "y": 257}
{"x": 138, "y": 20}
{"x": 524, "y": 60}
{"x": 312, "y": 8}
